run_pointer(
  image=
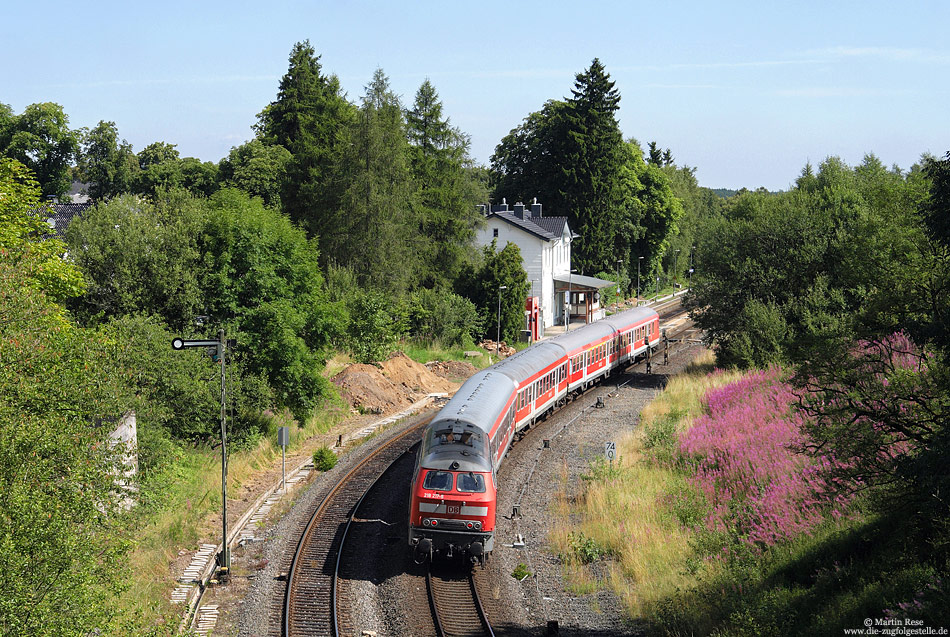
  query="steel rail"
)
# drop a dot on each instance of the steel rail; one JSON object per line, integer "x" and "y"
{"x": 319, "y": 513}
{"x": 461, "y": 619}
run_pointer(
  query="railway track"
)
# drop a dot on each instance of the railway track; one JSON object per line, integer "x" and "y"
{"x": 312, "y": 605}
{"x": 453, "y": 598}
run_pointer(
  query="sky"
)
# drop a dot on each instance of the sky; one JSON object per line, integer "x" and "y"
{"x": 747, "y": 93}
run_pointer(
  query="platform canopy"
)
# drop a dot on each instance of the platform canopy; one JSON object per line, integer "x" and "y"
{"x": 580, "y": 283}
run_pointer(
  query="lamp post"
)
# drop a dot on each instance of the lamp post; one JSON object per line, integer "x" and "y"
{"x": 691, "y": 267}
{"x": 639, "y": 259}
{"x": 498, "y": 333}
{"x": 567, "y": 313}
{"x": 657, "y": 297}
{"x": 619, "y": 261}
{"x": 675, "y": 267}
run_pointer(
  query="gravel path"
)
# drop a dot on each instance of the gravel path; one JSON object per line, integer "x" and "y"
{"x": 390, "y": 589}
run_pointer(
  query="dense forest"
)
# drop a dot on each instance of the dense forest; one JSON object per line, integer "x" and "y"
{"x": 348, "y": 227}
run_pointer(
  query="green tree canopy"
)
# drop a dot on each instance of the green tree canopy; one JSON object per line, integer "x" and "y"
{"x": 262, "y": 277}
{"x": 780, "y": 276}
{"x": 446, "y": 192}
{"x": 62, "y": 548}
{"x": 482, "y": 284}
{"x": 106, "y": 163}
{"x": 40, "y": 139}
{"x": 571, "y": 155}
{"x": 139, "y": 256}
{"x": 374, "y": 232}
{"x": 159, "y": 169}
{"x": 257, "y": 169}
{"x": 22, "y": 226}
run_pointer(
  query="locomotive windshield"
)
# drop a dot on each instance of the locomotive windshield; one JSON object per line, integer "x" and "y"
{"x": 438, "y": 481}
{"x": 470, "y": 483}
{"x": 464, "y": 483}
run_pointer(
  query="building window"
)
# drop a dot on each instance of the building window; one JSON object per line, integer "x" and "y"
{"x": 494, "y": 232}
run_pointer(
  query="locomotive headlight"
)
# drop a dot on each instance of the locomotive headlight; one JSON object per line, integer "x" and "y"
{"x": 478, "y": 526}
{"x": 426, "y": 522}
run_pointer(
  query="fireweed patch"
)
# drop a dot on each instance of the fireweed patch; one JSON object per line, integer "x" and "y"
{"x": 742, "y": 456}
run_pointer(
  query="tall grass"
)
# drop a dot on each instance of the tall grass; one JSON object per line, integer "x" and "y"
{"x": 713, "y": 523}
{"x": 424, "y": 352}
{"x": 181, "y": 508}
{"x": 626, "y": 512}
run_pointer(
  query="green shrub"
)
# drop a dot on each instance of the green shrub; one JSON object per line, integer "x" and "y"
{"x": 443, "y": 317}
{"x": 587, "y": 549}
{"x": 324, "y": 459}
{"x": 521, "y": 571}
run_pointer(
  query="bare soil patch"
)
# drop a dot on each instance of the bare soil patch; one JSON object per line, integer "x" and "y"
{"x": 455, "y": 371}
{"x": 390, "y": 386}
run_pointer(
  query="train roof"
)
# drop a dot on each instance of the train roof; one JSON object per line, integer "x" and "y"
{"x": 528, "y": 362}
{"x": 582, "y": 336}
{"x": 630, "y": 317}
{"x": 480, "y": 400}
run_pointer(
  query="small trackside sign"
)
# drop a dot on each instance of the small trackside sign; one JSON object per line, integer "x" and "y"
{"x": 610, "y": 450}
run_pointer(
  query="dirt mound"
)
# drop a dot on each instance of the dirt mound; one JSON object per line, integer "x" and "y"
{"x": 455, "y": 371}
{"x": 415, "y": 377}
{"x": 390, "y": 387}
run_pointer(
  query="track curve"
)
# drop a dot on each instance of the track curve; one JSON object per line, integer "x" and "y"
{"x": 311, "y": 606}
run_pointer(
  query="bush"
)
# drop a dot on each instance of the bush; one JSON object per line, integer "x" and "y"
{"x": 376, "y": 325}
{"x": 587, "y": 549}
{"x": 443, "y": 317}
{"x": 324, "y": 459}
{"x": 521, "y": 571}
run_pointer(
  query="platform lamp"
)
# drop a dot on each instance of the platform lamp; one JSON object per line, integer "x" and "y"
{"x": 675, "y": 262}
{"x": 691, "y": 267}
{"x": 619, "y": 261}
{"x": 639, "y": 259}
{"x": 567, "y": 306}
{"x": 498, "y": 333}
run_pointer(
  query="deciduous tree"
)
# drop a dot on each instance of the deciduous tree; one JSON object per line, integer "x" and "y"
{"x": 41, "y": 139}
{"x": 106, "y": 163}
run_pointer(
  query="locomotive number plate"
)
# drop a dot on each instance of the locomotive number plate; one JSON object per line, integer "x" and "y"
{"x": 453, "y": 510}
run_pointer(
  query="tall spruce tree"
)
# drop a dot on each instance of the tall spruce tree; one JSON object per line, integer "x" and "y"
{"x": 374, "y": 232}
{"x": 571, "y": 156}
{"x": 592, "y": 167}
{"x": 309, "y": 118}
{"x": 446, "y": 192}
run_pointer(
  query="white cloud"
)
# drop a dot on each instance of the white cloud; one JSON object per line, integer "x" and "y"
{"x": 890, "y": 54}
{"x": 838, "y": 91}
